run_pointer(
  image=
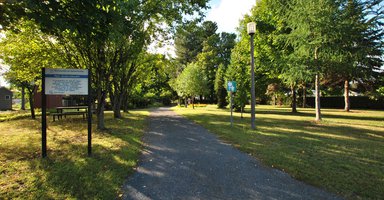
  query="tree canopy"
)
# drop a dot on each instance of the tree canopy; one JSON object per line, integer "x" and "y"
{"x": 104, "y": 36}
{"x": 191, "y": 82}
{"x": 298, "y": 41}
{"x": 27, "y": 50}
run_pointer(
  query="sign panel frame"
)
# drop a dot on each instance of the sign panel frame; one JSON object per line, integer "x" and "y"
{"x": 66, "y": 81}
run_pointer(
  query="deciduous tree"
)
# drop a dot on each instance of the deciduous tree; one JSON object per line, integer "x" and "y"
{"x": 27, "y": 50}
{"x": 191, "y": 82}
{"x": 104, "y": 33}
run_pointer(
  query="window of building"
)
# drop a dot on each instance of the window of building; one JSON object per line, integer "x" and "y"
{"x": 7, "y": 97}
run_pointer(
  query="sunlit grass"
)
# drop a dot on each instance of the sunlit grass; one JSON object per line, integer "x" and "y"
{"x": 16, "y": 114}
{"x": 343, "y": 153}
{"x": 68, "y": 172}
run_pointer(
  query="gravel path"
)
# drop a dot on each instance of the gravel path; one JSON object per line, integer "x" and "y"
{"x": 183, "y": 160}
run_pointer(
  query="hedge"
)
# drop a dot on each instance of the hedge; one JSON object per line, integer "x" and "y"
{"x": 356, "y": 102}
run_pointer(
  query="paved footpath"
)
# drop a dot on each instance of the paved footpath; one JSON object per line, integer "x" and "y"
{"x": 182, "y": 160}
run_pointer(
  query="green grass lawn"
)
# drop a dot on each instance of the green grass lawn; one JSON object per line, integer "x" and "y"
{"x": 343, "y": 154}
{"x": 68, "y": 173}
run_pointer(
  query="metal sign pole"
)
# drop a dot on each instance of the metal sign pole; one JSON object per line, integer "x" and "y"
{"x": 231, "y": 93}
{"x": 43, "y": 117}
{"x": 89, "y": 115}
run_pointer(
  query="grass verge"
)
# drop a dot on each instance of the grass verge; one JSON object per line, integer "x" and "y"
{"x": 343, "y": 153}
{"x": 68, "y": 173}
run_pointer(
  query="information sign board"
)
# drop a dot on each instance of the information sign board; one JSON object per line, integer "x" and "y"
{"x": 66, "y": 81}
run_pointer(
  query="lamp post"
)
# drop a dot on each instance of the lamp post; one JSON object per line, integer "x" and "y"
{"x": 251, "y": 29}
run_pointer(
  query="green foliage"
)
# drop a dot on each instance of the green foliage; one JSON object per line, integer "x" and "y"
{"x": 151, "y": 81}
{"x": 381, "y": 91}
{"x": 191, "y": 82}
{"x": 220, "y": 87}
{"x": 238, "y": 71}
{"x": 27, "y": 50}
{"x": 208, "y": 60}
{"x": 224, "y": 48}
{"x": 106, "y": 37}
{"x": 269, "y": 52}
{"x": 225, "y": 45}
{"x": 360, "y": 46}
{"x": 200, "y": 43}
{"x": 296, "y": 39}
{"x": 216, "y": 51}
{"x": 188, "y": 42}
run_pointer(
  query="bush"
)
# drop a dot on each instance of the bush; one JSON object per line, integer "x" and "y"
{"x": 355, "y": 102}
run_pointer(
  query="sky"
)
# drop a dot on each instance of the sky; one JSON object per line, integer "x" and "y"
{"x": 227, "y": 13}
{"x": 2, "y": 67}
{"x": 2, "y": 81}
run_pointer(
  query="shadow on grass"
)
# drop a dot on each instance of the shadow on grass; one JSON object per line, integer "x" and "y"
{"x": 92, "y": 178}
{"x": 344, "y": 159}
{"x": 68, "y": 172}
{"x": 306, "y": 113}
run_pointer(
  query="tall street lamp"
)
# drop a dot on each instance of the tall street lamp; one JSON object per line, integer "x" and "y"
{"x": 251, "y": 29}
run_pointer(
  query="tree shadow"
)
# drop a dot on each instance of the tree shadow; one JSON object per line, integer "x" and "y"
{"x": 308, "y": 114}
{"x": 67, "y": 172}
{"x": 64, "y": 176}
{"x": 182, "y": 161}
{"x": 348, "y": 155}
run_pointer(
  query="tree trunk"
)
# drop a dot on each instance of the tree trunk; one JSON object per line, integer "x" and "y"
{"x": 346, "y": 96}
{"x": 100, "y": 116}
{"x": 116, "y": 95}
{"x": 304, "y": 96}
{"x": 317, "y": 102}
{"x": 33, "y": 116}
{"x": 100, "y": 110}
{"x": 125, "y": 104}
{"x": 117, "y": 106}
{"x": 193, "y": 102}
{"x": 293, "y": 90}
{"x": 31, "y": 104}
{"x": 186, "y": 102}
{"x": 22, "y": 98}
{"x": 274, "y": 99}
{"x": 317, "y": 88}
{"x": 242, "y": 110}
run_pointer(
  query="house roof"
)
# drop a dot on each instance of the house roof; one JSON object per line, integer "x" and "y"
{"x": 5, "y": 90}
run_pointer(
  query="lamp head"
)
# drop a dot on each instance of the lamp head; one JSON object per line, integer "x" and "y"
{"x": 251, "y": 28}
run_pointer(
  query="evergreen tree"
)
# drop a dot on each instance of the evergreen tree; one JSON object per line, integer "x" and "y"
{"x": 220, "y": 86}
{"x": 188, "y": 42}
{"x": 238, "y": 71}
{"x": 360, "y": 46}
{"x": 314, "y": 25}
